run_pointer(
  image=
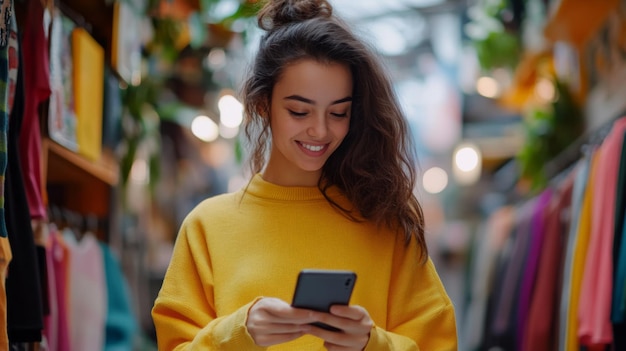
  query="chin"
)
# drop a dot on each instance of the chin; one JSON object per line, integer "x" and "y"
{"x": 311, "y": 169}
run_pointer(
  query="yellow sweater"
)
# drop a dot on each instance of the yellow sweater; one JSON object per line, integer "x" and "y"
{"x": 232, "y": 250}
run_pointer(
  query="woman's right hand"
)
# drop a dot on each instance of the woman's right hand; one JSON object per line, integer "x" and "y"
{"x": 273, "y": 321}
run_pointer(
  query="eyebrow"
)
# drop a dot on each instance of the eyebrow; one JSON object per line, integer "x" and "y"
{"x": 309, "y": 101}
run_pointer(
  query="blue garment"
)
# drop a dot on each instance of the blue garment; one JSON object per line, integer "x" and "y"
{"x": 121, "y": 325}
{"x": 6, "y": 16}
{"x": 578, "y": 193}
{"x": 618, "y": 306}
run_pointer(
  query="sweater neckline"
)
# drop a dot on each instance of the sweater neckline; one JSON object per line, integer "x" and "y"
{"x": 263, "y": 189}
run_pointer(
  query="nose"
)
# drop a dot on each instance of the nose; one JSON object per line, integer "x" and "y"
{"x": 318, "y": 127}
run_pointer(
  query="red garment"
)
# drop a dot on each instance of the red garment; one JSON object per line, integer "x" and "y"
{"x": 594, "y": 313}
{"x": 542, "y": 328}
{"x": 37, "y": 90}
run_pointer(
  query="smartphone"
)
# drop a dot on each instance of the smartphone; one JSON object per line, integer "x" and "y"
{"x": 319, "y": 289}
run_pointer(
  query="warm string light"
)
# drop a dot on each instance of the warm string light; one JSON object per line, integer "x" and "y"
{"x": 467, "y": 165}
{"x": 435, "y": 180}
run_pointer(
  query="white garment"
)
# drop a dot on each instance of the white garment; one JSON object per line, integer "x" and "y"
{"x": 88, "y": 293}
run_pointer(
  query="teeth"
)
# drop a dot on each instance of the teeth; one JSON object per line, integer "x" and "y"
{"x": 313, "y": 147}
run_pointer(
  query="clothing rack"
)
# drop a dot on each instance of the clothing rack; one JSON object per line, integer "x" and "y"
{"x": 563, "y": 162}
{"x": 78, "y": 19}
{"x": 558, "y": 167}
{"x": 64, "y": 217}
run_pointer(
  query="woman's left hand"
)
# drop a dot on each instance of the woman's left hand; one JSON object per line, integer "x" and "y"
{"x": 355, "y": 324}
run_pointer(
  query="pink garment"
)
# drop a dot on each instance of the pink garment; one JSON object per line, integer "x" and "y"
{"x": 594, "y": 313}
{"x": 36, "y": 90}
{"x": 56, "y": 328}
{"x": 51, "y": 320}
{"x": 88, "y": 292}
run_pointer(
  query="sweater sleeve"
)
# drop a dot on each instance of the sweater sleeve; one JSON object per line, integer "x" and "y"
{"x": 420, "y": 313}
{"x": 184, "y": 312}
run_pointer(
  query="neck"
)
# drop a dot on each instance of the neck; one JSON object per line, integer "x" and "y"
{"x": 305, "y": 179}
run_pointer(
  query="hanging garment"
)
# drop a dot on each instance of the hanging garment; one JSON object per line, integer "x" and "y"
{"x": 121, "y": 324}
{"x": 5, "y": 259}
{"x": 620, "y": 217}
{"x": 88, "y": 294}
{"x": 24, "y": 307}
{"x": 8, "y": 74}
{"x": 532, "y": 260}
{"x": 595, "y": 327}
{"x": 483, "y": 271}
{"x": 37, "y": 90}
{"x": 9, "y": 53}
{"x": 502, "y": 327}
{"x": 50, "y": 319}
{"x": 618, "y": 303}
{"x": 541, "y": 333}
{"x": 578, "y": 193}
{"x": 56, "y": 325}
{"x": 620, "y": 296}
{"x": 579, "y": 256}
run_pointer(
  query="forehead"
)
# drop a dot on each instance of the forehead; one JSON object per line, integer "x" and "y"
{"x": 321, "y": 82}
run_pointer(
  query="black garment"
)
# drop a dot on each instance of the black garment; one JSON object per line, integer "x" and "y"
{"x": 19, "y": 346}
{"x": 24, "y": 298}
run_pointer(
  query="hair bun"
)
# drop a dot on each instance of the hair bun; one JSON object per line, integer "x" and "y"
{"x": 277, "y": 13}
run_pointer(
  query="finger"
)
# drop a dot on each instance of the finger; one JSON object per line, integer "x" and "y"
{"x": 353, "y": 312}
{"x": 340, "y": 339}
{"x": 280, "y": 311}
{"x": 350, "y": 323}
{"x": 358, "y": 317}
{"x": 352, "y": 333}
{"x": 291, "y": 316}
{"x": 331, "y": 320}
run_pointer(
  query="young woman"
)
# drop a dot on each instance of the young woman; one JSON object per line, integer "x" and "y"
{"x": 332, "y": 189}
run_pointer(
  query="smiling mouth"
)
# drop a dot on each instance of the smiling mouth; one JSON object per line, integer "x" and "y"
{"x": 313, "y": 148}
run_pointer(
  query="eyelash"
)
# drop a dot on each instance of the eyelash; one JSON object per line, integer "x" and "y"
{"x": 302, "y": 114}
{"x": 297, "y": 114}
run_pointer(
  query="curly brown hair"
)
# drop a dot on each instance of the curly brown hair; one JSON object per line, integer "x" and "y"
{"x": 375, "y": 166}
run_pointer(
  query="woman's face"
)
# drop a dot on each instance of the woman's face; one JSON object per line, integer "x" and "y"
{"x": 309, "y": 117}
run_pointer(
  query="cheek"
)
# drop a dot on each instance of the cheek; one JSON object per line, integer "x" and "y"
{"x": 343, "y": 129}
{"x": 282, "y": 127}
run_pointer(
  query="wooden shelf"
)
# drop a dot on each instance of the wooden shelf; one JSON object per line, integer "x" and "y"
{"x": 66, "y": 166}
{"x": 95, "y": 15}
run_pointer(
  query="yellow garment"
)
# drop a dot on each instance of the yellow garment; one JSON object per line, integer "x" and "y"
{"x": 5, "y": 258}
{"x": 232, "y": 250}
{"x": 578, "y": 261}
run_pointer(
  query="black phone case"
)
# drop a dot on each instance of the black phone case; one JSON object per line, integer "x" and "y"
{"x": 320, "y": 289}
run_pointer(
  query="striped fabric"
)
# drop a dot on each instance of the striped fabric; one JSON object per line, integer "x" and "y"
{"x": 8, "y": 79}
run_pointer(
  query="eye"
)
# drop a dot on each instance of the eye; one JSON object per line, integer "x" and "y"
{"x": 345, "y": 114}
{"x": 297, "y": 114}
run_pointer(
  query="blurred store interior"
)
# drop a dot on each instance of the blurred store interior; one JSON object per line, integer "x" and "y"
{"x": 503, "y": 96}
